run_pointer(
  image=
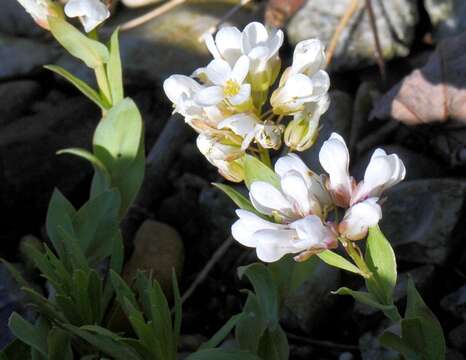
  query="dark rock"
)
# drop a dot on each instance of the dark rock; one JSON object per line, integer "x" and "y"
{"x": 29, "y": 166}
{"x": 14, "y": 20}
{"x": 21, "y": 56}
{"x": 371, "y": 348}
{"x": 457, "y": 337}
{"x": 310, "y": 304}
{"x": 455, "y": 303}
{"x": 419, "y": 219}
{"x": 16, "y": 98}
{"x": 447, "y": 17}
{"x": 418, "y": 166}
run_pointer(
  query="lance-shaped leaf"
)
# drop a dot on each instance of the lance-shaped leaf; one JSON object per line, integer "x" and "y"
{"x": 380, "y": 259}
{"x": 222, "y": 354}
{"x": 333, "y": 259}
{"x": 119, "y": 145}
{"x": 114, "y": 70}
{"x": 91, "y": 52}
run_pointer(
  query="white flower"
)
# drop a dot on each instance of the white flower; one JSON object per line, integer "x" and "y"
{"x": 39, "y": 10}
{"x": 301, "y": 193}
{"x": 90, "y": 12}
{"x": 305, "y": 81}
{"x": 359, "y": 218}
{"x": 382, "y": 172}
{"x": 301, "y": 132}
{"x": 272, "y": 241}
{"x": 181, "y": 91}
{"x": 227, "y": 83}
{"x": 334, "y": 158}
{"x": 249, "y": 127}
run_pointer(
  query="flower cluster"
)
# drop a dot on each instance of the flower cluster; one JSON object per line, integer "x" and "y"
{"x": 294, "y": 218}
{"x": 224, "y": 101}
{"x": 90, "y": 12}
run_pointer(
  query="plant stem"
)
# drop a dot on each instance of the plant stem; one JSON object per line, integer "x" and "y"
{"x": 265, "y": 156}
{"x": 102, "y": 82}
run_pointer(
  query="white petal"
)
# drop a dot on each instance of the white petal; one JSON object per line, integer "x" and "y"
{"x": 267, "y": 199}
{"x": 359, "y": 218}
{"x": 176, "y": 85}
{"x": 248, "y": 223}
{"x": 253, "y": 34}
{"x": 91, "y": 12}
{"x": 228, "y": 40}
{"x": 209, "y": 96}
{"x": 308, "y": 57}
{"x": 295, "y": 188}
{"x": 291, "y": 162}
{"x": 240, "y": 70}
{"x": 275, "y": 42}
{"x": 211, "y": 46}
{"x": 242, "y": 96}
{"x": 241, "y": 124}
{"x": 321, "y": 84}
{"x": 274, "y": 244}
{"x": 218, "y": 71}
{"x": 334, "y": 158}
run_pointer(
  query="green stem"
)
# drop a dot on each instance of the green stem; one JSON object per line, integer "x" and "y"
{"x": 265, "y": 156}
{"x": 102, "y": 82}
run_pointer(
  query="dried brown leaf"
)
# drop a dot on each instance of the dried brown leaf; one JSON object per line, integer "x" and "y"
{"x": 433, "y": 93}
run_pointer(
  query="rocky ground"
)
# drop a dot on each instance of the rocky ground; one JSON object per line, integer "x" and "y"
{"x": 424, "y": 217}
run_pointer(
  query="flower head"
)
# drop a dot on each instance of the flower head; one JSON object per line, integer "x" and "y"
{"x": 90, "y": 12}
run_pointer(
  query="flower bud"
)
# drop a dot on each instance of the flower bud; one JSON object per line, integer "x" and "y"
{"x": 301, "y": 133}
{"x": 231, "y": 170}
{"x": 269, "y": 136}
{"x": 214, "y": 150}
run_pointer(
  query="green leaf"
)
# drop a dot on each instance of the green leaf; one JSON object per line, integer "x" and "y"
{"x": 251, "y": 326}
{"x": 273, "y": 345}
{"x": 118, "y": 143}
{"x": 32, "y": 335}
{"x": 91, "y": 52}
{"x": 333, "y": 259}
{"x": 114, "y": 348}
{"x": 59, "y": 345}
{"x": 396, "y": 343}
{"x": 122, "y": 290}
{"x": 264, "y": 288}
{"x": 89, "y": 92}
{"x": 221, "y": 334}
{"x": 59, "y": 214}
{"x": 368, "y": 299}
{"x": 96, "y": 225}
{"x": 428, "y": 334}
{"x": 380, "y": 259}
{"x": 222, "y": 354}
{"x": 83, "y": 153}
{"x": 238, "y": 198}
{"x": 114, "y": 70}
{"x": 255, "y": 170}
